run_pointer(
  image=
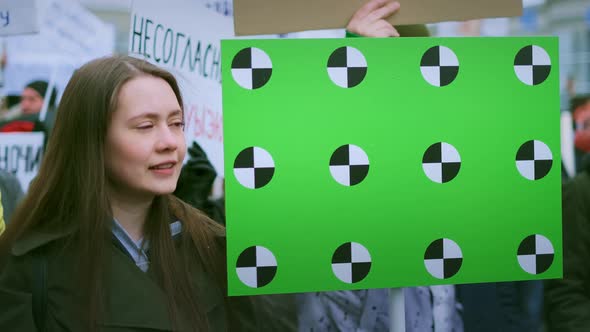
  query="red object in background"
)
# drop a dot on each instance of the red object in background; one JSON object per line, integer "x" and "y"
{"x": 582, "y": 140}
{"x": 18, "y": 126}
{"x": 582, "y": 120}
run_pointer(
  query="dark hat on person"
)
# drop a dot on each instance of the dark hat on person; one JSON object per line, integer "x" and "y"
{"x": 41, "y": 88}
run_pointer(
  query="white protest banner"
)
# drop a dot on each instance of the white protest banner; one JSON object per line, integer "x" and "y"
{"x": 69, "y": 36}
{"x": 68, "y": 29}
{"x": 21, "y": 154}
{"x": 18, "y": 17}
{"x": 183, "y": 36}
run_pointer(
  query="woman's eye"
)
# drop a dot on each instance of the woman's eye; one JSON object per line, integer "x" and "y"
{"x": 145, "y": 126}
{"x": 178, "y": 124}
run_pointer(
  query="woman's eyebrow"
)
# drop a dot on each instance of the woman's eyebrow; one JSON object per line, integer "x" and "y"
{"x": 175, "y": 113}
{"x": 155, "y": 115}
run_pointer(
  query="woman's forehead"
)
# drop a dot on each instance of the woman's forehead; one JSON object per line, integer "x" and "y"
{"x": 148, "y": 95}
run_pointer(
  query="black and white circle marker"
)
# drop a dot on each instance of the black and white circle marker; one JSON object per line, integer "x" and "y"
{"x": 441, "y": 162}
{"x": 535, "y": 254}
{"x": 347, "y": 67}
{"x": 349, "y": 165}
{"x": 532, "y": 65}
{"x": 351, "y": 262}
{"x": 251, "y": 68}
{"x": 534, "y": 160}
{"x": 254, "y": 167}
{"x": 443, "y": 258}
{"x": 439, "y": 66}
{"x": 256, "y": 266}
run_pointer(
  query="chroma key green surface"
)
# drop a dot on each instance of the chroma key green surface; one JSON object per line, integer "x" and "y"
{"x": 374, "y": 163}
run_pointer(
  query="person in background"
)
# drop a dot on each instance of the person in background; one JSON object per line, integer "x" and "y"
{"x": 513, "y": 306}
{"x": 31, "y": 104}
{"x": 580, "y": 108}
{"x": 119, "y": 252}
{"x": 11, "y": 191}
{"x": 567, "y": 300}
{"x": 33, "y": 97}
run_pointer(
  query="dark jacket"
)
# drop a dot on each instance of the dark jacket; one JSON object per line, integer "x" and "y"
{"x": 567, "y": 300}
{"x": 11, "y": 193}
{"x": 135, "y": 301}
{"x": 514, "y": 306}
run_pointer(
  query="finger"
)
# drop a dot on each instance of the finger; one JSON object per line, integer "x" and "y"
{"x": 369, "y": 7}
{"x": 384, "y": 11}
{"x": 385, "y": 26}
{"x": 382, "y": 32}
{"x": 391, "y": 30}
{"x": 386, "y": 32}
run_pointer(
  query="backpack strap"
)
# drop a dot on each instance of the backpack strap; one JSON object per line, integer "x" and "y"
{"x": 39, "y": 289}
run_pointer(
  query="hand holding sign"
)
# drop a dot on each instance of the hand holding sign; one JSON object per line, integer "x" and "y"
{"x": 369, "y": 20}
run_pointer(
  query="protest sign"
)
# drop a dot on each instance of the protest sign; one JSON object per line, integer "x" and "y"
{"x": 21, "y": 154}
{"x": 254, "y": 17}
{"x": 391, "y": 162}
{"x": 18, "y": 17}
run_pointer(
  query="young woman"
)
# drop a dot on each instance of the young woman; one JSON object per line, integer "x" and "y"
{"x": 98, "y": 243}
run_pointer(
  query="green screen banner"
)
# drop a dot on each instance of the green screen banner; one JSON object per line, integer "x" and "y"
{"x": 379, "y": 163}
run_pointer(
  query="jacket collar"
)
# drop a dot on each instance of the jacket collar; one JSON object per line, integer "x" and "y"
{"x": 37, "y": 238}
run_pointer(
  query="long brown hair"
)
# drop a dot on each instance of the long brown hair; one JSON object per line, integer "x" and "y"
{"x": 69, "y": 192}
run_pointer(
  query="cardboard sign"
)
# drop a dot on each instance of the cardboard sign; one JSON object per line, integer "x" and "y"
{"x": 391, "y": 162}
{"x": 253, "y": 17}
{"x": 188, "y": 46}
{"x": 18, "y": 17}
{"x": 21, "y": 154}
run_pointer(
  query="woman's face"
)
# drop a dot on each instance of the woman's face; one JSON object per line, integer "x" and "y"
{"x": 145, "y": 143}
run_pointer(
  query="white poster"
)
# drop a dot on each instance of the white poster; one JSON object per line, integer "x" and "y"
{"x": 21, "y": 154}
{"x": 70, "y": 35}
{"x": 18, "y": 17}
{"x": 184, "y": 36}
{"x": 67, "y": 29}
